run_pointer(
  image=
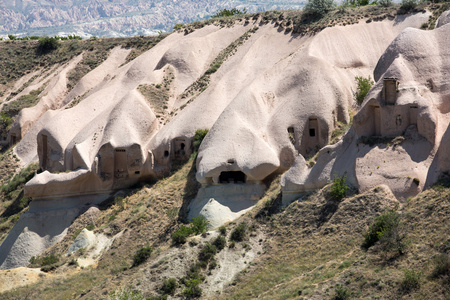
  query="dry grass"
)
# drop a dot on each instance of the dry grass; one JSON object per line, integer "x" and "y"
{"x": 315, "y": 246}
{"x": 310, "y": 248}
{"x": 158, "y": 96}
{"x": 146, "y": 216}
{"x": 19, "y": 58}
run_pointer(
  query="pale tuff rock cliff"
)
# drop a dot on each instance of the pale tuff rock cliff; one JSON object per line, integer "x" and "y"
{"x": 399, "y": 135}
{"x": 277, "y": 92}
{"x": 273, "y": 102}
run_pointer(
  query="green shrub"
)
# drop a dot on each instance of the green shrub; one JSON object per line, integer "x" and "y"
{"x": 319, "y": 8}
{"x": 207, "y": 253}
{"x": 220, "y": 242}
{"x": 5, "y": 125}
{"x": 20, "y": 179}
{"x": 179, "y": 236}
{"x": 339, "y": 188}
{"x": 194, "y": 272}
{"x": 355, "y": 3}
{"x": 441, "y": 265}
{"x": 385, "y": 3}
{"x": 49, "y": 260}
{"x": 177, "y": 26}
{"x": 238, "y": 234}
{"x": 192, "y": 289}
{"x": 411, "y": 281}
{"x": 199, "y": 224}
{"x": 223, "y": 230}
{"x": 213, "y": 68}
{"x": 408, "y": 5}
{"x": 142, "y": 255}
{"x": 386, "y": 231}
{"x": 127, "y": 294}
{"x": 169, "y": 286}
{"x": 341, "y": 293}
{"x": 90, "y": 227}
{"x": 47, "y": 44}
{"x": 199, "y": 136}
{"x": 229, "y": 12}
{"x": 363, "y": 86}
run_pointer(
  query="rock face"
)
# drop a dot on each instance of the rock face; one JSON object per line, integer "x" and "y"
{"x": 114, "y": 18}
{"x": 43, "y": 225}
{"x": 283, "y": 101}
{"x": 274, "y": 101}
{"x": 399, "y": 134}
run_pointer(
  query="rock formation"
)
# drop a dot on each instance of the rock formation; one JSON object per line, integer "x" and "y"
{"x": 268, "y": 108}
{"x": 399, "y": 134}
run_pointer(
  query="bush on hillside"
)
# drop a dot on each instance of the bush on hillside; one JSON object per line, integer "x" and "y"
{"x": 169, "y": 286}
{"x": 207, "y": 253}
{"x": 363, "y": 86}
{"x": 141, "y": 255}
{"x": 5, "y": 125}
{"x": 319, "y": 8}
{"x": 199, "y": 224}
{"x": 180, "y": 235}
{"x": 229, "y": 12}
{"x": 441, "y": 265}
{"x": 386, "y": 231}
{"x": 238, "y": 234}
{"x": 408, "y": 5}
{"x": 220, "y": 242}
{"x": 339, "y": 188}
{"x": 411, "y": 281}
{"x": 341, "y": 293}
{"x": 199, "y": 136}
{"x": 192, "y": 289}
{"x": 47, "y": 44}
{"x": 385, "y": 3}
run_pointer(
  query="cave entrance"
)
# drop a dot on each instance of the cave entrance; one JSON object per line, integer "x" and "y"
{"x": 291, "y": 133}
{"x": 181, "y": 149}
{"x": 120, "y": 164}
{"x": 232, "y": 177}
{"x": 376, "y": 120}
{"x": 13, "y": 140}
{"x": 44, "y": 151}
{"x": 413, "y": 113}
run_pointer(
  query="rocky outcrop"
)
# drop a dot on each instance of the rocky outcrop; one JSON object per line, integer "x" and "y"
{"x": 399, "y": 134}
{"x": 272, "y": 104}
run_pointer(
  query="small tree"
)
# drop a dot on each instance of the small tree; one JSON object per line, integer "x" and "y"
{"x": 319, "y": 8}
{"x": 386, "y": 230}
{"x": 385, "y": 3}
{"x": 339, "y": 187}
{"x": 229, "y": 12}
{"x": 141, "y": 255}
{"x": 47, "y": 44}
{"x": 169, "y": 286}
{"x": 180, "y": 235}
{"x": 199, "y": 136}
{"x": 199, "y": 224}
{"x": 238, "y": 234}
{"x": 363, "y": 87}
{"x": 409, "y": 4}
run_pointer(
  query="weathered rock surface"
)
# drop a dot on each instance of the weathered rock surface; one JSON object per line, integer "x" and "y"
{"x": 274, "y": 101}
{"x": 400, "y": 133}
